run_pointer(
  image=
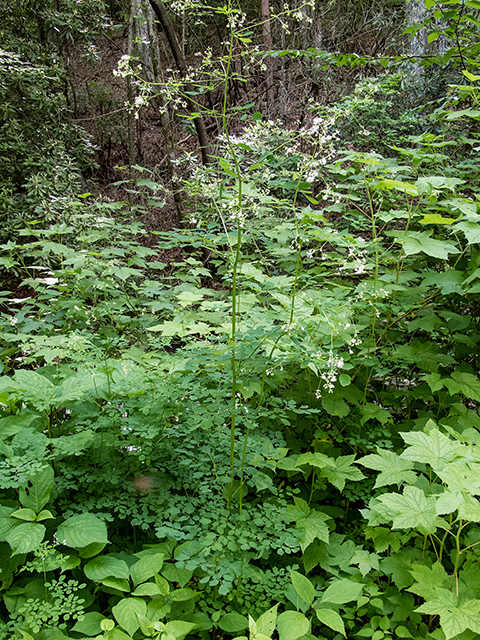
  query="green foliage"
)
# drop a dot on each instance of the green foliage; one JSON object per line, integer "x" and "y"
{"x": 278, "y": 429}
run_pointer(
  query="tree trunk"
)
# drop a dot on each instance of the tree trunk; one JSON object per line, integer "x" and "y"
{"x": 162, "y": 16}
{"x": 267, "y": 45}
{"x": 416, "y": 14}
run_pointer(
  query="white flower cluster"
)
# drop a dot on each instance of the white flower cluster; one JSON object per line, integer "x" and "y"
{"x": 329, "y": 377}
{"x": 123, "y": 67}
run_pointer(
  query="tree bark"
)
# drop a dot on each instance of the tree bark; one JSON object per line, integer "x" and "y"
{"x": 162, "y": 17}
{"x": 267, "y": 45}
{"x": 416, "y": 14}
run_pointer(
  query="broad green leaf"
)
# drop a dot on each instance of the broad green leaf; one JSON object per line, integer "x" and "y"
{"x": 448, "y": 502}
{"x": 174, "y": 574}
{"x": 26, "y": 537}
{"x": 459, "y": 477}
{"x": 341, "y": 591}
{"x": 73, "y": 445}
{"x": 179, "y": 628}
{"x": 436, "y": 218}
{"x": 365, "y": 561}
{"x": 465, "y": 383}
{"x": 90, "y": 625}
{"x": 469, "y": 510}
{"x": 332, "y": 619}
{"x": 372, "y": 411}
{"x": 29, "y": 515}
{"x": 394, "y": 470}
{"x": 303, "y": 587}
{"x": 427, "y": 579}
{"x": 143, "y": 182}
{"x": 182, "y": 595}
{"x": 6, "y": 522}
{"x": 105, "y": 566}
{"x": 433, "y": 448}
{"x": 317, "y": 460}
{"x": 147, "y": 589}
{"x": 233, "y": 622}
{"x": 312, "y": 527}
{"x": 292, "y": 625}
{"x": 342, "y": 471}
{"x": 267, "y": 621}
{"x": 426, "y": 355}
{"x": 434, "y": 381}
{"x": 170, "y": 328}
{"x": 146, "y": 568}
{"x": 471, "y": 231}
{"x": 458, "y": 115}
{"x": 36, "y": 495}
{"x": 412, "y": 510}
{"x": 116, "y": 583}
{"x": 36, "y": 386}
{"x": 414, "y": 242}
{"x": 82, "y": 530}
{"x": 456, "y": 616}
{"x": 126, "y": 613}
{"x": 404, "y": 187}
{"x": 91, "y": 549}
{"x": 187, "y": 298}
{"x": 116, "y": 634}
{"x": 472, "y": 77}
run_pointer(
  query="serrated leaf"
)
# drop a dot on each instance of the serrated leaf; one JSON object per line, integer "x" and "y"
{"x": 233, "y": 622}
{"x": 37, "y": 387}
{"x": 292, "y": 625}
{"x": 394, "y": 470}
{"x": 183, "y": 595}
{"x": 26, "y": 537}
{"x": 372, "y": 411}
{"x": 126, "y": 613}
{"x": 471, "y": 231}
{"x": 147, "y": 589}
{"x": 25, "y": 514}
{"x": 412, "y": 510}
{"x": 6, "y": 522}
{"x": 179, "y": 628}
{"x": 341, "y": 591}
{"x": 119, "y": 584}
{"x": 82, "y": 530}
{"x": 303, "y": 587}
{"x": 448, "y": 502}
{"x": 317, "y": 460}
{"x": 469, "y": 509}
{"x": 146, "y": 568}
{"x": 332, "y": 619}
{"x": 342, "y": 471}
{"x": 414, "y": 242}
{"x": 267, "y": 621}
{"x": 466, "y": 383}
{"x": 310, "y": 527}
{"x": 90, "y": 625}
{"x": 365, "y": 561}
{"x": 427, "y": 579}
{"x": 433, "y": 448}
{"x": 455, "y": 616}
{"x": 104, "y": 566}
{"x": 36, "y": 495}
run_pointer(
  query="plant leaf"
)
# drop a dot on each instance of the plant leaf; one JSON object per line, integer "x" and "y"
{"x": 82, "y": 530}
{"x": 292, "y": 625}
{"x": 303, "y": 587}
{"x": 332, "y": 619}
{"x": 394, "y": 470}
{"x": 126, "y": 613}
{"x": 26, "y": 537}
